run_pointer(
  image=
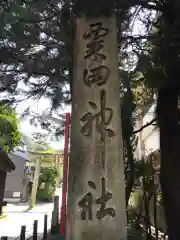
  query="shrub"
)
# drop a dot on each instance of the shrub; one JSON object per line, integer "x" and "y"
{"x": 47, "y": 184}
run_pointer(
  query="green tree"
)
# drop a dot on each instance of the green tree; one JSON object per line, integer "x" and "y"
{"x": 47, "y": 184}
{"x": 9, "y": 128}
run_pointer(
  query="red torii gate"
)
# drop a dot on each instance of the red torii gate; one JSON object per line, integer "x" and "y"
{"x": 65, "y": 176}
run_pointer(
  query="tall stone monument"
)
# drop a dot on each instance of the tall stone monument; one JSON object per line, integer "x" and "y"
{"x": 96, "y": 189}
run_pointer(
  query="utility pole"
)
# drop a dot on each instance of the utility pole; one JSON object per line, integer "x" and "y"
{"x": 35, "y": 182}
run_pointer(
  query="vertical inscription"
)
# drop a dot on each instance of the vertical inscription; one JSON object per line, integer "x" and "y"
{"x": 87, "y": 201}
{"x": 95, "y": 37}
{"x": 97, "y": 74}
{"x": 101, "y": 119}
{"x": 103, "y": 116}
{"x": 104, "y": 198}
{"x": 96, "y": 197}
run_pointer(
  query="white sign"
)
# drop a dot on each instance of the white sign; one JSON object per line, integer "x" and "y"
{"x": 16, "y": 194}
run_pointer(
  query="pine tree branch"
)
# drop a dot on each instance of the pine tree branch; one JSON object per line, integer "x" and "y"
{"x": 46, "y": 74}
{"x": 35, "y": 20}
{"x": 145, "y": 126}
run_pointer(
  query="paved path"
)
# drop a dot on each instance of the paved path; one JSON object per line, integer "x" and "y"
{"x": 18, "y": 216}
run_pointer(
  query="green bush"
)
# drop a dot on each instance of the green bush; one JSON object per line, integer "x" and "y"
{"x": 47, "y": 184}
{"x": 46, "y": 194}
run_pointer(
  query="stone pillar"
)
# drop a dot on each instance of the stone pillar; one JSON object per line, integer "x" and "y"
{"x": 55, "y": 216}
{"x": 96, "y": 189}
{"x": 35, "y": 183}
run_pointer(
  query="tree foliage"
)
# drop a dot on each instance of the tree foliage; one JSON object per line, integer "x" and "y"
{"x": 36, "y": 51}
{"x": 47, "y": 184}
{"x": 9, "y": 128}
{"x": 33, "y": 50}
{"x": 36, "y": 45}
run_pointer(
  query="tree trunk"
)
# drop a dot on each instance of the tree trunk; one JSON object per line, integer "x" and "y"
{"x": 130, "y": 180}
{"x": 167, "y": 116}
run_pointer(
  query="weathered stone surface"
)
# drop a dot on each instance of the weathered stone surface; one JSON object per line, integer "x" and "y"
{"x": 96, "y": 156}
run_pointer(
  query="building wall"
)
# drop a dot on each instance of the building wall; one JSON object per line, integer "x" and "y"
{"x": 149, "y": 137}
{"x": 150, "y": 115}
{"x": 151, "y": 143}
{"x": 14, "y": 180}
